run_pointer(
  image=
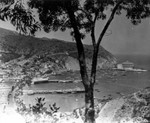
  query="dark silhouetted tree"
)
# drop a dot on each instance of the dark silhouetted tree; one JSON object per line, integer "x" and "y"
{"x": 80, "y": 16}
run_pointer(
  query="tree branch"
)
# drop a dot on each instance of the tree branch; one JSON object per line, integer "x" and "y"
{"x": 96, "y": 50}
{"x": 93, "y": 36}
{"x": 87, "y": 15}
{"x": 108, "y": 22}
{"x": 93, "y": 30}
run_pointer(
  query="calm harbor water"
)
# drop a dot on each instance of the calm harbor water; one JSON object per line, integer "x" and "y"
{"x": 106, "y": 86}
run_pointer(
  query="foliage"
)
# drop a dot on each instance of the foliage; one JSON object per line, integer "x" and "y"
{"x": 54, "y": 16}
{"x": 19, "y": 16}
{"x": 38, "y": 108}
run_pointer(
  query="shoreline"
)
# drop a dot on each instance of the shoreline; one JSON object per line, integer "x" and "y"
{"x": 64, "y": 91}
{"x": 132, "y": 70}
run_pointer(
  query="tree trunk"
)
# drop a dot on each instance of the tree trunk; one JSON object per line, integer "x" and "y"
{"x": 89, "y": 100}
{"x": 89, "y": 104}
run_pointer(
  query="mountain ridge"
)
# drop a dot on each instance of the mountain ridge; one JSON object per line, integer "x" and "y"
{"x": 48, "y": 53}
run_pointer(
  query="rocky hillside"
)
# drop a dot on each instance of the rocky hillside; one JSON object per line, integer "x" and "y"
{"x": 46, "y": 55}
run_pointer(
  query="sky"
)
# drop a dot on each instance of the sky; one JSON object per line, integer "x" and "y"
{"x": 125, "y": 38}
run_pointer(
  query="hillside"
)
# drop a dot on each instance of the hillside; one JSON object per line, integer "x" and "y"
{"x": 45, "y": 54}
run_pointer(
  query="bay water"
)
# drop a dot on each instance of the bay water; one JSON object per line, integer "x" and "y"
{"x": 113, "y": 86}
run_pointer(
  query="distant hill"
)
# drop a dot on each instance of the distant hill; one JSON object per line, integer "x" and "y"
{"x": 14, "y": 45}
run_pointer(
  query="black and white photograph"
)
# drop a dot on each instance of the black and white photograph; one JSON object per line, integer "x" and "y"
{"x": 74, "y": 61}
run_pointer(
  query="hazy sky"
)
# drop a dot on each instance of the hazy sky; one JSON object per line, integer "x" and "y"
{"x": 125, "y": 38}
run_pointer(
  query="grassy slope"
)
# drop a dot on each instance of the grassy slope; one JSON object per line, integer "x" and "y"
{"x": 16, "y": 45}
